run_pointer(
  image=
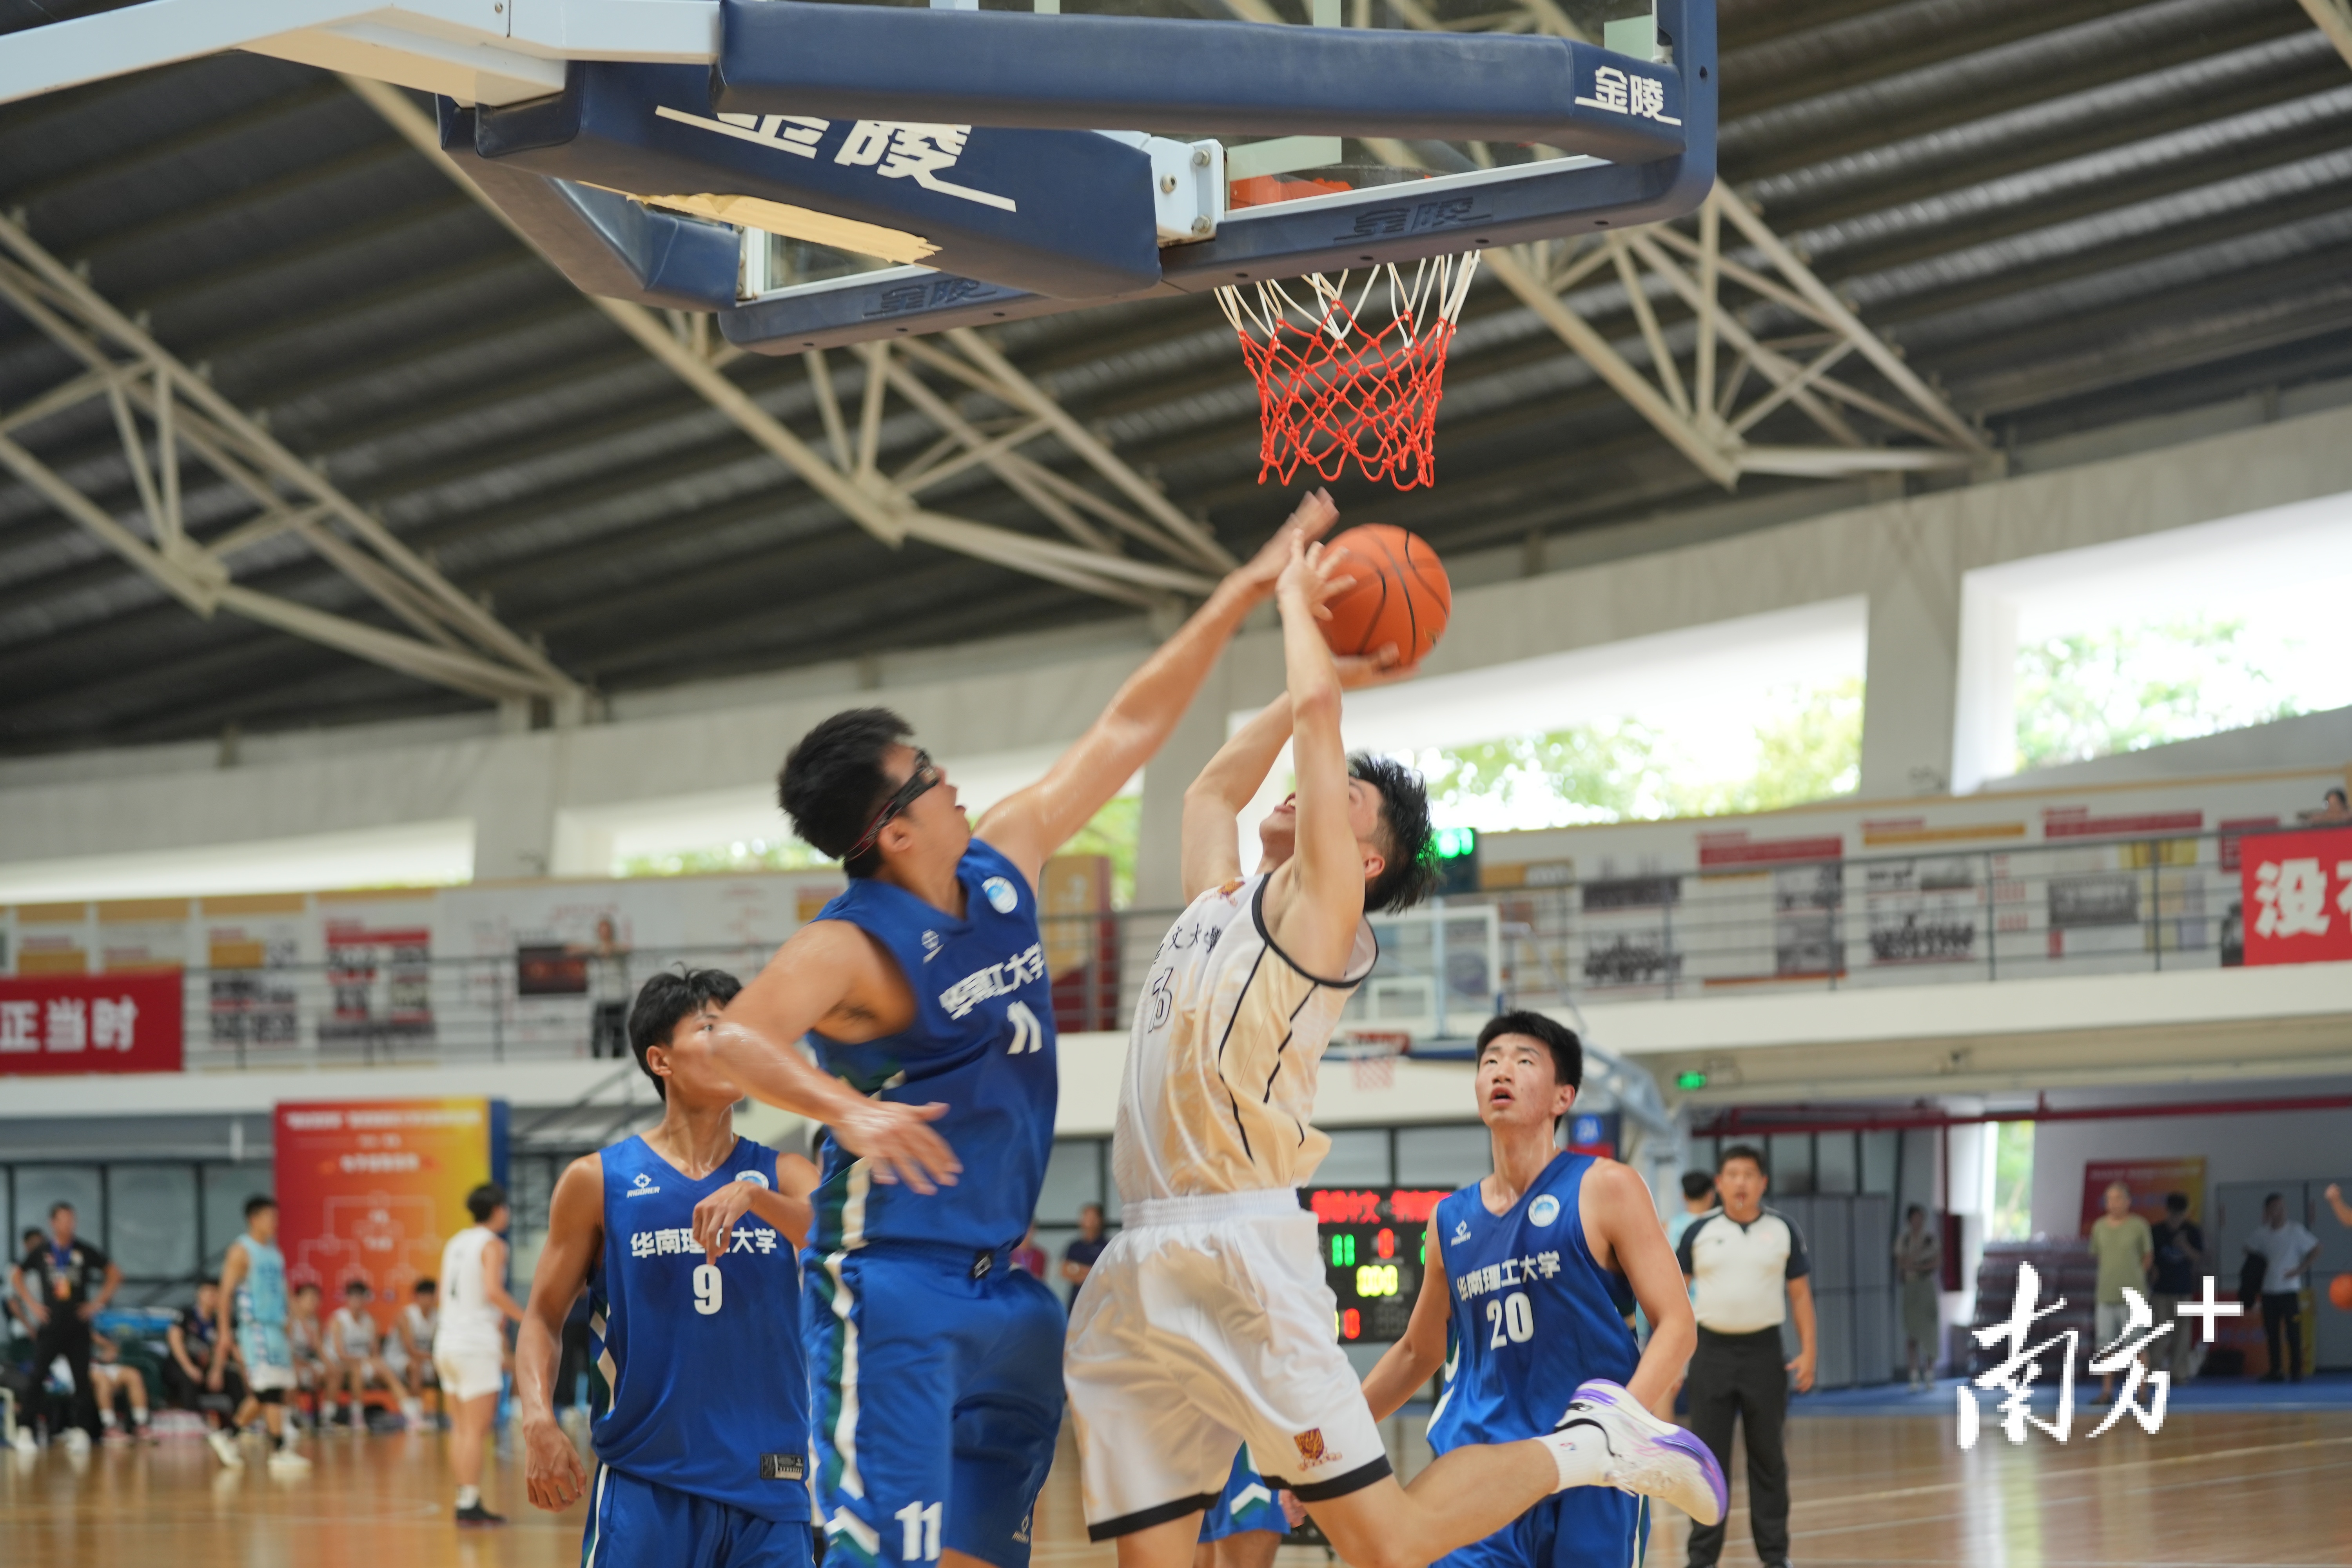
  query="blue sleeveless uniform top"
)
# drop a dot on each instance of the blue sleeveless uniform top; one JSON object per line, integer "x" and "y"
{"x": 981, "y": 1043}
{"x": 1532, "y": 1314}
{"x": 261, "y": 1304}
{"x": 709, "y": 1386}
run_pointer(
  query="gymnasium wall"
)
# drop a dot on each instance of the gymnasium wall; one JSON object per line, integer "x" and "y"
{"x": 2286, "y": 1146}
{"x": 1908, "y": 556}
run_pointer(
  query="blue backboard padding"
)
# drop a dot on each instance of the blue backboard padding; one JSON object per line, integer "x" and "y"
{"x": 1014, "y": 67}
{"x": 1063, "y": 213}
{"x": 605, "y": 244}
{"x": 887, "y": 305}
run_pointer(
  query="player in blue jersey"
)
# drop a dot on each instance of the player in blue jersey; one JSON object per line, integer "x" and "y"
{"x": 1530, "y": 1275}
{"x": 935, "y": 1364}
{"x": 1244, "y": 1527}
{"x": 686, "y": 1237}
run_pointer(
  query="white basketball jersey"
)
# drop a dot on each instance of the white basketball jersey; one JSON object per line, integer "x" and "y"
{"x": 1221, "y": 1059}
{"x": 469, "y": 1321}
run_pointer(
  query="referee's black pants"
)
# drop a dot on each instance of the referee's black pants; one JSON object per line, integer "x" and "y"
{"x": 65, "y": 1334}
{"x": 1742, "y": 1378}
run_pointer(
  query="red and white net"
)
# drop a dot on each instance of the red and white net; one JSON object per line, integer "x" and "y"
{"x": 1351, "y": 378}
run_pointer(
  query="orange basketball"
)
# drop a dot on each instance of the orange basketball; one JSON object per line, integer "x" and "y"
{"x": 1401, "y": 595}
{"x": 2340, "y": 1290}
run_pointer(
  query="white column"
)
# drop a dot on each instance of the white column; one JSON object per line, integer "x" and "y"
{"x": 1912, "y": 668}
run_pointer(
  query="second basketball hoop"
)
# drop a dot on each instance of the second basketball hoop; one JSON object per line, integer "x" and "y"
{"x": 1352, "y": 377}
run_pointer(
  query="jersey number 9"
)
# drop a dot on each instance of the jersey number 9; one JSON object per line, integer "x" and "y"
{"x": 710, "y": 1289}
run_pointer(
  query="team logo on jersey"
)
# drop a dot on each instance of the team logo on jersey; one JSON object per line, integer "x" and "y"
{"x": 1028, "y": 1033}
{"x": 1001, "y": 896}
{"x": 1311, "y": 1451}
{"x": 782, "y": 1467}
{"x": 754, "y": 1177}
{"x": 1544, "y": 1210}
{"x": 932, "y": 945}
{"x": 643, "y": 1188}
{"x": 1461, "y": 1230}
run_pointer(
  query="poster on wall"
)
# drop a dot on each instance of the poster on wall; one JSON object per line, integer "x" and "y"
{"x": 60, "y": 1024}
{"x": 1926, "y": 910}
{"x": 372, "y": 1190}
{"x": 2149, "y": 1181}
{"x": 1626, "y": 926}
{"x": 379, "y": 951}
{"x": 53, "y": 939}
{"x": 252, "y": 944}
{"x": 2297, "y": 896}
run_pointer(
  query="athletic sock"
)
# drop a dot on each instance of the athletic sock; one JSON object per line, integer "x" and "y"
{"x": 470, "y": 1497}
{"x": 1580, "y": 1452}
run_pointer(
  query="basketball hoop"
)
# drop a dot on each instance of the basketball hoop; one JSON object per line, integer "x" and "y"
{"x": 1331, "y": 387}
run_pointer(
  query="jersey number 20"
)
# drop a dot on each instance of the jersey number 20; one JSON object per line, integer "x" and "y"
{"x": 710, "y": 1289}
{"x": 1512, "y": 1315}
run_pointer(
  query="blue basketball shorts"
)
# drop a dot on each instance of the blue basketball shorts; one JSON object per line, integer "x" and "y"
{"x": 1584, "y": 1526}
{"x": 1246, "y": 1504}
{"x": 635, "y": 1523}
{"x": 935, "y": 1378}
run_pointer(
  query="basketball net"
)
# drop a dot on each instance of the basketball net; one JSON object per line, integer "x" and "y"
{"x": 1333, "y": 387}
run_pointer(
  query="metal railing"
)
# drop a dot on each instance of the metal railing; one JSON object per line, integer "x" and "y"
{"x": 1929, "y": 916}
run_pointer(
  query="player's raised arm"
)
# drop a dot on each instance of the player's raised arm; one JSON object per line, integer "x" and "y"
{"x": 1413, "y": 1360}
{"x": 816, "y": 978}
{"x": 1320, "y": 910}
{"x": 1030, "y": 824}
{"x": 575, "y": 1235}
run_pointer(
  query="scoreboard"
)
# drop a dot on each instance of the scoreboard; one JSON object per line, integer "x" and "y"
{"x": 1375, "y": 1242}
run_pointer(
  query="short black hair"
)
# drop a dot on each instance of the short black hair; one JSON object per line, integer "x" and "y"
{"x": 833, "y": 782}
{"x": 1747, "y": 1152}
{"x": 1696, "y": 1184}
{"x": 425, "y": 1288}
{"x": 668, "y": 997}
{"x": 2175, "y": 1203}
{"x": 34, "y": 1233}
{"x": 309, "y": 1285}
{"x": 1915, "y": 1208}
{"x": 485, "y": 1200}
{"x": 1567, "y": 1050}
{"x": 2337, "y": 795}
{"x": 2270, "y": 1198}
{"x": 58, "y": 1207}
{"x": 1410, "y": 851}
{"x": 212, "y": 1280}
{"x": 353, "y": 1287}
{"x": 256, "y": 1202}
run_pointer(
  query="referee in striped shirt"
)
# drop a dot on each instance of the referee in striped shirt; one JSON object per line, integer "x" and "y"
{"x": 1748, "y": 1268}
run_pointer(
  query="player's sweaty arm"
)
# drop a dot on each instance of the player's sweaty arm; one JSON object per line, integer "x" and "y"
{"x": 575, "y": 1237}
{"x": 826, "y": 976}
{"x": 1212, "y": 851}
{"x": 1620, "y": 1225}
{"x": 1413, "y": 1360}
{"x": 1316, "y": 915}
{"x": 1030, "y": 824}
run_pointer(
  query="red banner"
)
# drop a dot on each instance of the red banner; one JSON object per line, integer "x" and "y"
{"x": 2298, "y": 895}
{"x": 89, "y": 1022}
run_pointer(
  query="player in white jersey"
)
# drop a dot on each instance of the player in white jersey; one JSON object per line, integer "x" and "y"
{"x": 1208, "y": 1320}
{"x": 469, "y": 1343}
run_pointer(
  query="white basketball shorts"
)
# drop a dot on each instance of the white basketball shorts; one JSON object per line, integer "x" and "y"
{"x": 467, "y": 1373}
{"x": 1207, "y": 1323}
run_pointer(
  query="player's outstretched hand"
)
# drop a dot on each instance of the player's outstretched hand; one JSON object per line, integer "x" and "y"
{"x": 714, "y": 1216}
{"x": 898, "y": 1139}
{"x": 1357, "y": 670}
{"x": 551, "y": 1470}
{"x": 1317, "y": 573}
{"x": 1310, "y": 521}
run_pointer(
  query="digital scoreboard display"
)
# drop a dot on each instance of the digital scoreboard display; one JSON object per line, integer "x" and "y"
{"x": 1375, "y": 1242}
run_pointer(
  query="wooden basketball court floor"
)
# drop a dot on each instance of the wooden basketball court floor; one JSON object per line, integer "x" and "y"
{"x": 2239, "y": 1490}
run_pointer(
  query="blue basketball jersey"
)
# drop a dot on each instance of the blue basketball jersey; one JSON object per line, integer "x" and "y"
{"x": 709, "y": 1387}
{"x": 261, "y": 1304}
{"x": 1533, "y": 1315}
{"x": 982, "y": 1042}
